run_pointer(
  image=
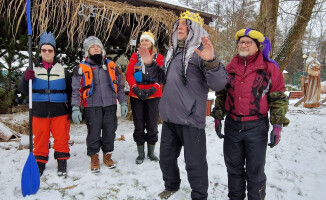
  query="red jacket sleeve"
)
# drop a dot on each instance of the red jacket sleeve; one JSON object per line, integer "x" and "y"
{"x": 277, "y": 79}
{"x": 160, "y": 60}
{"x": 130, "y": 70}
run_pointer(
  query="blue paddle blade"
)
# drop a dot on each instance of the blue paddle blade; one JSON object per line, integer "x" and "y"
{"x": 30, "y": 177}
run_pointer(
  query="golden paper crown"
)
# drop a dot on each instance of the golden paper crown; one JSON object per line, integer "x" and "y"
{"x": 192, "y": 16}
{"x": 149, "y": 33}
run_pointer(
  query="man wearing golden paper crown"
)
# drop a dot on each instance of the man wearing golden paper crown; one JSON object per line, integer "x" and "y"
{"x": 255, "y": 86}
{"x": 190, "y": 69}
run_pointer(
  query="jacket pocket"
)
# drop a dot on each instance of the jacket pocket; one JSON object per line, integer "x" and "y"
{"x": 193, "y": 108}
{"x": 189, "y": 103}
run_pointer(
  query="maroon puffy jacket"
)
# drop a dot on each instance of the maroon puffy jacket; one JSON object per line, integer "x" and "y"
{"x": 250, "y": 80}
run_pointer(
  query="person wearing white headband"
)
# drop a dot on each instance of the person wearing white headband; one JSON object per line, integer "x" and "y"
{"x": 145, "y": 95}
{"x": 148, "y": 35}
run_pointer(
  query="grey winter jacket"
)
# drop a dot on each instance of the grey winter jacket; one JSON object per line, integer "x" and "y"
{"x": 103, "y": 95}
{"x": 185, "y": 104}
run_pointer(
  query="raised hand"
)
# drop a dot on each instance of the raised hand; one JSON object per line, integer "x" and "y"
{"x": 207, "y": 53}
{"x": 145, "y": 55}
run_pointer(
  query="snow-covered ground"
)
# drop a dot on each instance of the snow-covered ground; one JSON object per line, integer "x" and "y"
{"x": 295, "y": 168}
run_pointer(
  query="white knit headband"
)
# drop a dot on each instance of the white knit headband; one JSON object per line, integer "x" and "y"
{"x": 147, "y": 37}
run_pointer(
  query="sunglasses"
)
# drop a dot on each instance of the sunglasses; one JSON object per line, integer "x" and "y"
{"x": 47, "y": 50}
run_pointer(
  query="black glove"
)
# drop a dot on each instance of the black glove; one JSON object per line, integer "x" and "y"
{"x": 141, "y": 94}
{"x": 150, "y": 91}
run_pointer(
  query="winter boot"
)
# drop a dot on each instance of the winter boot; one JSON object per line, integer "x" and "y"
{"x": 62, "y": 168}
{"x": 41, "y": 167}
{"x": 141, "y": 154}
{"x": 95, "y": 163}
{"x": 166, "y": 194}
{"x": 150, "y": 153}
{"x": 108, "y": 161}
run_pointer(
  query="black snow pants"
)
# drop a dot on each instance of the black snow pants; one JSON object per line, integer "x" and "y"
{"x": 245, "y": 146}
{"x": 173, "y": 137}
{"x": 100, "y": 120}
{"x": 145, "y": 115}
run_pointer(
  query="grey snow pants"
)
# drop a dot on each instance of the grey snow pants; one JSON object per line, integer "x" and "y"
{"x": 101, "y": 126}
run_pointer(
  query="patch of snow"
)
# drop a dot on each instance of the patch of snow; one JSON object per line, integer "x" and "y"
{"x": 295, "y": 168}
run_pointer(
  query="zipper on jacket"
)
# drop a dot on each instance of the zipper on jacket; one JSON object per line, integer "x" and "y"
{"x": 48, "y": 71}
{"x": 245, "y": 60}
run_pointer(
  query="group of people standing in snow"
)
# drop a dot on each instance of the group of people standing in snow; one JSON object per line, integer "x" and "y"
{"x": 176, "y": 88}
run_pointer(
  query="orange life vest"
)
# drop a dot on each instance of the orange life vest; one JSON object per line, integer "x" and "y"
{"x": 87, "y": 74}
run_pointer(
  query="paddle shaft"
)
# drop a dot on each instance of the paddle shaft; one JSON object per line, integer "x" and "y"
{"x": 30, "y": 96}
{"x": 30, "y": 100}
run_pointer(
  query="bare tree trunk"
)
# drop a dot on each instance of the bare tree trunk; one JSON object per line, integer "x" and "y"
{"x": 267, "y": 20}
{"x": 295, "y": 34}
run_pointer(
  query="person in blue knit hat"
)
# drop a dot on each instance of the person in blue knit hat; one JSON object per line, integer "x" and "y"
{"x": 255, "y": 88}
{"x": 51, "y": 96}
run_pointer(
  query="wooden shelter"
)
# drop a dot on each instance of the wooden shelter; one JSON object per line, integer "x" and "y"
{"x": 115, "y": 22}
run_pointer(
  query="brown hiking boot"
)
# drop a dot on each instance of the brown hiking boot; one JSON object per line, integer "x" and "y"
{"x": 108, "y": 161}
{"x": 95, "y": 163}
{"x": 166, "y": 194}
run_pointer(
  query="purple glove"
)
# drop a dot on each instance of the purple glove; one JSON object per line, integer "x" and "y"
{"x": 29, "y": 74}
{"x": 275, "y": 135}
{"x": 218, "y": 128}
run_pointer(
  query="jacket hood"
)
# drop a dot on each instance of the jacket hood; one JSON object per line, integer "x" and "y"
{"x": 193, "y": 41}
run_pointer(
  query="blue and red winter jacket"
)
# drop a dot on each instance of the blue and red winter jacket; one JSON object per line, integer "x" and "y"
{"x": 131, "y": 69}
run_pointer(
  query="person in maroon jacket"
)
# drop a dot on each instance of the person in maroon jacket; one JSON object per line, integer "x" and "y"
{"x": 144, "y": 95}
{"x": 255, "y": 86}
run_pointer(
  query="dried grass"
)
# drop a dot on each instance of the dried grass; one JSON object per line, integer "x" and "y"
{"x": 72, "y": 18}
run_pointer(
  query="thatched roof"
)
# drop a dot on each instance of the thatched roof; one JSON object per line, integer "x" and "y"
{"x": 74, "y": 20}
{"x": 177, "y": 8}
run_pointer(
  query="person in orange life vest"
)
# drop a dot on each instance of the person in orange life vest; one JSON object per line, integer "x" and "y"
{"x": 255, "y": 87}
{"x": 97, "y": 84}
{"x": 51, "y": 96}
{"x": 144, "y": 95}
